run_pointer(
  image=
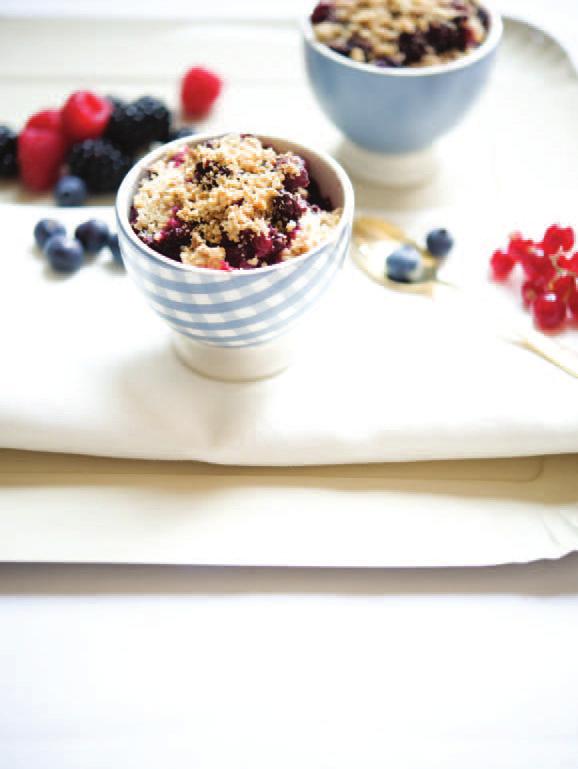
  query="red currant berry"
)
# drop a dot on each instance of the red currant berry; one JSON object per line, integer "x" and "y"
{"x": 502, "y": 264}
{"x": 557, "y": 238}
{"x": 530, "y": 292}
{"x": 573, "y": 306}
{"x": 564, "y": 286}
{"x": 549, "y": 311}
{"x": 571, "y": 263}
{"x": 538, "y": 269}
{"x": 568, "y": 239}
{"x": 519, "y": 247}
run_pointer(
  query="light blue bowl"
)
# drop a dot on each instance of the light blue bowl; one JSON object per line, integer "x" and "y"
{"x": 398, "y": 110}
{"x": 243, "y": 308}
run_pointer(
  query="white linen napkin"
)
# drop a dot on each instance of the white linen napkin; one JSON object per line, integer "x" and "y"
{"x": 88, "y": 368}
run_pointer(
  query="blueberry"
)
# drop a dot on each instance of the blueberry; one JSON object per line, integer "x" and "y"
{"x": 404, "y": 264}
{"x": 439, "y": 243}
{"x": 115, "y": 249}
{"x": 93, "y": 235}
{"x": 45, "y": 229}
{"x": 64, "y": 254}
{"x": 70, "y": 191}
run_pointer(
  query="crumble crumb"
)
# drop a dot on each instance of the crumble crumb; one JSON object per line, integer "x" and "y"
{"x": 401, "y": 33}
{"x": 231, "y": 203}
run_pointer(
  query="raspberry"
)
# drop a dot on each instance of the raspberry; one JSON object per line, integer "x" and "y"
{"x": 47, "y": 119}
{"x": 85, "y": 115}
{"x": 40, "y": 155}
{"x": 549, "y": 311}
{"x": 502, "y": 264}
{"x": 558, "y": 238}
{"x": 200, "y": 89}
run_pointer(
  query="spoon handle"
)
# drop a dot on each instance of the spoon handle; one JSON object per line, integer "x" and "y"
{"x": 551, "y": 350}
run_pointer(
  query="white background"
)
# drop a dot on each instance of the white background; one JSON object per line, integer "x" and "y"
{"x": 238, "y": 669}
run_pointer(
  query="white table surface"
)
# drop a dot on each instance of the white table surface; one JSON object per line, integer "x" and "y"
{"x": 243, "y": 669}
{"x": 123, "y": 667}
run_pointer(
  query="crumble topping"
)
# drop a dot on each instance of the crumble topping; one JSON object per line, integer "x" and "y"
{"x": 231, "y": 203}
{"x": 401, "y": 33}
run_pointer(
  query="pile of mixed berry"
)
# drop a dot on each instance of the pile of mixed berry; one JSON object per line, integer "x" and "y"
{"x": 550, "y": 268}
{"x": 89, "y": 144}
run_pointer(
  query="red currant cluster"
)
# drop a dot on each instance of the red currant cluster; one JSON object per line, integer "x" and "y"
{"x": 551, "y": 270}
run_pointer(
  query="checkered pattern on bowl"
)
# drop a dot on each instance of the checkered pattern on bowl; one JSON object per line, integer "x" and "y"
{"x": 236, "y": 309}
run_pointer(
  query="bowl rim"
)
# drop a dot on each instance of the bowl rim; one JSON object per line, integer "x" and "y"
{"x": 490, "y": 44}
{"x": 127, "y": 187}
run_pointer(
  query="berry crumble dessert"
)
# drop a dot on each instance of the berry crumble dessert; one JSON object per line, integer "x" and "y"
{"x": 231, "y": 203}
{"x": 401, "y": 33}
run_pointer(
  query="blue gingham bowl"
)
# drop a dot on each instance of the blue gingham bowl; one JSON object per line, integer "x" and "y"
{"x": 400, "y": 110}
{"x": 239, "y": 309}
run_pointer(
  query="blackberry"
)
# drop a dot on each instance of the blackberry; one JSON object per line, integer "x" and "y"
{"x": 294, "y": 180}
{"x": 207, "y": 174}
{"x": 115, "y": 101}
{"x": 343, "y": 49}
{"x": 323, "y": 11}
{"x": 135, "y": 125}
{"x": 484, "y": 18}
{"x": 99, "y": 163}
{"x": 412, "y": 46}
{"x": 443, "y": 37}
{"x": 287, "y": 208}
{"x": 8, "y": 153}
{"x": 181, "y": 133}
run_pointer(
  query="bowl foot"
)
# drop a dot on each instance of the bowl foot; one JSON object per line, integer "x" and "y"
{"x": 409, "y": 169}
{"x": 236, "y": 364}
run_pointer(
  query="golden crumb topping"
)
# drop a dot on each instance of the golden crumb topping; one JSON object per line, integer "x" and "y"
{"x": 229, "y": 202}
{"x": 398, "y": 33}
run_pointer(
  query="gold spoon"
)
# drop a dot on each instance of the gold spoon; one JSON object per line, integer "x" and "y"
{"x": 374, "y": 239}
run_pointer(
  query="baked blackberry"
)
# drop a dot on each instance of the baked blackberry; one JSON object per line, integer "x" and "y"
{"x": 137, "y": 124}
{"x": 8, "y": 153}
{"x": 99, "y": 163}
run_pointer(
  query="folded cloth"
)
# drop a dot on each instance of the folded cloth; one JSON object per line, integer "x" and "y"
{"x": 88, "y": 368}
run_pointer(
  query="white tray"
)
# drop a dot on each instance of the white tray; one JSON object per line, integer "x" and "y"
{"x": 56, "y": 508}
{"x": 80, "y": 509}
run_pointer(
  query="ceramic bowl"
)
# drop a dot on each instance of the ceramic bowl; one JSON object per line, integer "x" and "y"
{"x": 403, "y": 110}
{"x": 245, "y": 310}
